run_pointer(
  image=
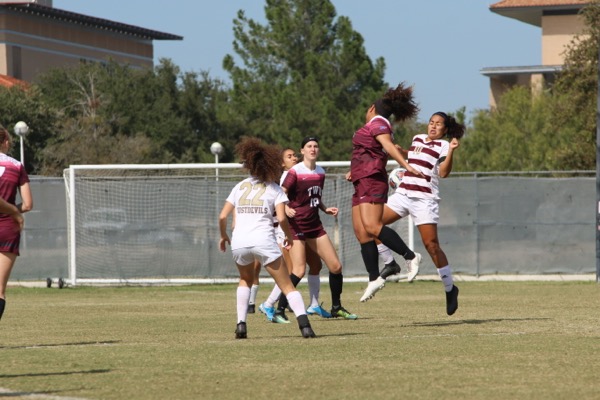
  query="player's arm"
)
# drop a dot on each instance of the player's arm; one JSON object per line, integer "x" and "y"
{"x": 284, "y": 225}
{"x": 446, "y": 163}
{"x": 227, "y": 209}
{"x": 13, "y": 211}
{"x": 385, "y": 140}
{"x": 27, "y": 199}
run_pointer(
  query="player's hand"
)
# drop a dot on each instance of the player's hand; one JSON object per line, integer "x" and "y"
{"x": 454, "y": 143}
{"x": 331, "y": 211}
{"x": 415, "y": 172}
{"x": 290, "y": 212}
{"x": 288, "y": 243}
{"x": 18, "y": 218}
{"x": 349, "y": 176}
{"x": 222, "y": 243}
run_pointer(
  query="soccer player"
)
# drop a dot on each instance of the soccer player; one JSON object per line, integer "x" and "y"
{"x": 289, "y": 159}
{"x": 371, "y": 146}
{"x": 417, "y": 195}
{"x": 254, "y": 201}
{"x": 304, "y": 187}
{"x": 13, "y": 178}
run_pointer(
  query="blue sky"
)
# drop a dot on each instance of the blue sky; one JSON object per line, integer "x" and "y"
{"x": 439, "y": 46}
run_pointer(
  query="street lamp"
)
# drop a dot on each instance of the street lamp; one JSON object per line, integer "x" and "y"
{"x": 21, "y": 130}
{"x": 216, "y": 148}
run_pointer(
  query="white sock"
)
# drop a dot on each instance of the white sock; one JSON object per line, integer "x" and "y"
{"x": 296, "y": 303}
{"x": 273, "y": 297}
{"x": 253, "y": 292}
{"x": 314, "y": 288}
{"x": 446, "y": 274}
{"x": 385, "y": 253}
{"x": 243, "y": 294}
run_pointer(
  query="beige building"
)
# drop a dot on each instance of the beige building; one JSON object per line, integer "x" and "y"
{"x": 35, "y": 36}
{"x": 559, "y": 23}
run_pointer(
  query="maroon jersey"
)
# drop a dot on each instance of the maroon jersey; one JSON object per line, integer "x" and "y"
{"x": 368, "y": 156}
{"x": 304, "y": 190}
{"x": 12, "y": 176}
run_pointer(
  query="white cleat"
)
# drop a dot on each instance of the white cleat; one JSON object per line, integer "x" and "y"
{"x": 372, "y": 288}
{"x": 412, "y": 266}
{"x": 394, "y": 278}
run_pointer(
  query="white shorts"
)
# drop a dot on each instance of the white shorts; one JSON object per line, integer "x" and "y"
{"x": 423, "y": 211}
{"x": 263, "y": 254}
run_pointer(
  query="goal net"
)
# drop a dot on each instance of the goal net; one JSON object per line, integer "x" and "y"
{"x": 143, "y": 224}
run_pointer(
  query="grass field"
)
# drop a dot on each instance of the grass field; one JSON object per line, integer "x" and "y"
{"x": 508, "y": 340}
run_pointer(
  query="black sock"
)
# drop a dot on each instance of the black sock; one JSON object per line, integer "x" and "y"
{"x": 391, "y": 239}
{"x": 370, "y": 256}
{"x": 336, "y": 283}
{"x": 283, "y": 301}
{"x": 2, "y": 305}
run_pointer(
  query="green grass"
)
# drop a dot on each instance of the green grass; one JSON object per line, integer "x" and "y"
{"x": 508, "y": 340}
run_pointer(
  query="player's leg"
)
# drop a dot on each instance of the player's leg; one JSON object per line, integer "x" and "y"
{"x": 7, "y": 260}
{"x": 314, "y": 284}
{"x": 298, "y": 257}
{"x": 243, "y": 295}
{"x": 324, "y": 248}
{"x": 254, "y": 289}
{"x": 368, "y": 249}
{"x": 280, "y": 274}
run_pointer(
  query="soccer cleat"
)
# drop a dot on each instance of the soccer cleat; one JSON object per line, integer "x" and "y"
{"x": 413, "y": 267}
{"x": 390, "y": 269}
{"x": 452, "y": 300}
{"x": 268, "y": 311}
{"x": 280, "y": 317}
{"x": 340, "y": 311}
{"x": 240, "y": 331}
{"x": 307, "y": 332}
{"x": 372, "y": 288}
{"x": 318, "y": 310}
{"x": 391, "y": 272}
{"x": 304, "y": 325}
{"x": 251, "y": 308}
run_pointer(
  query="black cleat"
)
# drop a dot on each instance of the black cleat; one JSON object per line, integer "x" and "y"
{"x": 307, "y": 332}
{"x": 390, "y": 269}
{"x": 452, "y": 300}
{"x": 240, "y": 331}
{"x": 251, "y": 308}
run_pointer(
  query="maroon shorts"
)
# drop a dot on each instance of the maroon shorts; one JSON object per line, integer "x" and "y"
{"x": 9, "y": 241}
{"x": 370, "y": 189}
{"x": 309, "y": 235}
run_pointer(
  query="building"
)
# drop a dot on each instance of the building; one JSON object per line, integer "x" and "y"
{"x": 559, "y": 22}
{"x": 35, "y": 37}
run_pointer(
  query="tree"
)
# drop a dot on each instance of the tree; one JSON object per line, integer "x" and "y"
{"x": 110, "y": 113}
{"x": 305, "y": 72}
{"x": 575, "y": 96}
{"x": 24, "y": 103}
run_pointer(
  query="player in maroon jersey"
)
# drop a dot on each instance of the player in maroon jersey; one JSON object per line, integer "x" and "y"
{"x": 304, "y": 187}
{"x": 13, "y": 179}
{"x": 371, "y": 146}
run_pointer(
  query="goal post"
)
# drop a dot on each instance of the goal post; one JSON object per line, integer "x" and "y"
{"x": 158, "y": 223}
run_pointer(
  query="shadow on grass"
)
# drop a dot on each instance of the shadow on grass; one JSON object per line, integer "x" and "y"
{"x": 474, "y": 321}
{"x": 91, "y": 371}
{"x": 34, "y": 346}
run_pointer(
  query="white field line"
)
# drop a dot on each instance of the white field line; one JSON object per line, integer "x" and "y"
{"x": 28, "y": 395}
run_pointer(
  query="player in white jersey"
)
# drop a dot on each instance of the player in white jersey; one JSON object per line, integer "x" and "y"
{"x": 432, "y": 155}
{"x": 254, "y": 201}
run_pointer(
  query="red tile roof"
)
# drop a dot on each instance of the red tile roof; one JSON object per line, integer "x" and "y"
{"x": 9, "y": 81}
{"x": 537, "y": 3}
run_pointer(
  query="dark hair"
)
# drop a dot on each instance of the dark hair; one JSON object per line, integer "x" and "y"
{"x": 309, "y": 139}
{"x": 455, "y": 130}
{"x": 261, "y": 160}
{"x": 4, "y": 134}
{"x": 398, "y": 102}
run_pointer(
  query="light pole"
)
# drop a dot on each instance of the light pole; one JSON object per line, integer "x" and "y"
{"x": 21, "y": 130}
